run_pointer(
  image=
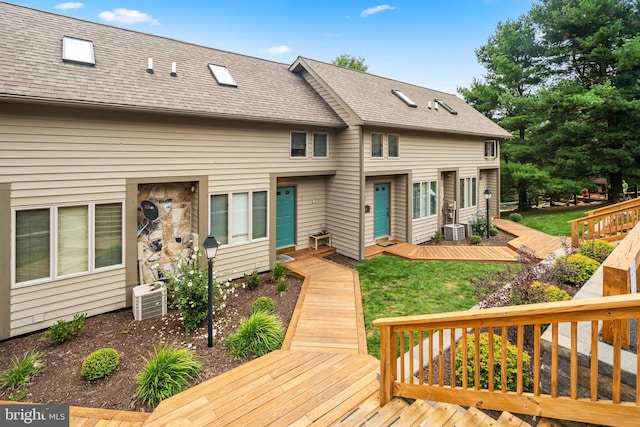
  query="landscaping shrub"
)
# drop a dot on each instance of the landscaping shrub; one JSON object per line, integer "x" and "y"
{"x": 22, "y": 370}
{"x": 596, "y": 249}
{"x": 493, "y": 230}
{"x": 253, "y": 280}
{"x": 187, "y": 290}
{"x": 438, "y": 237}
{"x": 258, "y": 335}
{"x": 62, "y": 330}
{"x": 263, "y": 304}
{"x": 282, "y": 287}
{"x": 475, "y": 239}
{"x": 512, "y": 363}
{"x": 100, "y": 363}
{"x": 279, "y": 271}
{"x": 575, "y": 269}
{"x": 167, "y": 372}
{"x": 515, "y": 217}
{"x": 552, "y": 293}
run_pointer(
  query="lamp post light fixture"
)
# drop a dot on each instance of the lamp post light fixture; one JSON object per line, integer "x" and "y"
{"x": 210, "y": 246}
{"x": 487, "y": 195}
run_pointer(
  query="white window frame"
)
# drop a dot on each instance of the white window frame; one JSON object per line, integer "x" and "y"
{"x": 468, "y": 192}
{"x": 53, "y": 242}
{"x": 425, "y": 208}
{"x": 389, "y": 146}
{"x": 381, "y": 156}
{"x": 249, "y": 218}
{"x": 491, "y": 149}
{"x": 306, "y": 144}
{"x": 313, "y": 148}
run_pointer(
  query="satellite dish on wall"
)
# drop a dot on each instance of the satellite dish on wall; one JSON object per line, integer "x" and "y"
{"x": 149, "y": 210}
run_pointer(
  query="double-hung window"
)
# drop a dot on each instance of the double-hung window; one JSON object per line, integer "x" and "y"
{"x": 58, "y": 241}
{"x": 377, "y": 145}
{"x": 393, "y": 142}
{"x": 239, "y": 217}
{"x": 425, "y": 199}
{"x": 490, "y": 149}
{"x": 298, "y": 144}
{"x": 468, "y": 192}
{"x": 320, "y": 145}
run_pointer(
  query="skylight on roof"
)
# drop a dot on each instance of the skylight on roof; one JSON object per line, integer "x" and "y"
{"x": 446, "y": 106}
{"x": 404, "y": 98}
{"x": 77, "y": 50}
{"x": 222, "y": 75}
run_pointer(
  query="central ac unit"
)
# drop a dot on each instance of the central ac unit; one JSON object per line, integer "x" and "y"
{"x": 149, "y": 301}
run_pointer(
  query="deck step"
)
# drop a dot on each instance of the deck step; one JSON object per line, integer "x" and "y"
{"x": 399, "y": 413}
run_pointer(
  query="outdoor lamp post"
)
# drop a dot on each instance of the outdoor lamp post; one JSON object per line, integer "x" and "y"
{"x": 487, "y": 195}
{"x": 210, "y": 246}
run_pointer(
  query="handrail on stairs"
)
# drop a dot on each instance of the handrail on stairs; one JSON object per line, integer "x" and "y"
{"x": 431, "y": 373}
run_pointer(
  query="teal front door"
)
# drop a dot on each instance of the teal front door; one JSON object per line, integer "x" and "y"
{"x": 285, "y": 216}
{"x": 381, "y": 211}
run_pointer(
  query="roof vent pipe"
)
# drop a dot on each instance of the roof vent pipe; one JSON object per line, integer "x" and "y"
{"x": 150, "y": 66}
{"x": 173, "y": 70}
{"x": 435, "y": 105}
{"x": 429, "y": 105}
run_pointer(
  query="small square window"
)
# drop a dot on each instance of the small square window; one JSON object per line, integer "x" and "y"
{"x": 320, "y": 148}
{"x": 490, "y": 149}
{"x": 376, "y": 145}
{"x": 298, "y": 144}
{"x": 394, "y": 145}
{"x": 77, "y": 50}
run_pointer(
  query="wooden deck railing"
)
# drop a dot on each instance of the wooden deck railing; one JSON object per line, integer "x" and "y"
{"x": 581, "y": 401}
{"x": 610, "y": 223}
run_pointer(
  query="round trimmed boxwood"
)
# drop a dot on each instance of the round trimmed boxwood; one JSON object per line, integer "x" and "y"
{"x": 551, "y": 293}
{"x": 512, "y": 363}
{"x": 475, "y": 239}
{"x": 265, "y": 304}
{"x": 515, "y": 217}
{"x": 100, "y": 363}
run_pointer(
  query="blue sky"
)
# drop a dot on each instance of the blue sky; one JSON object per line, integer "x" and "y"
{"x": 429, "y": 43}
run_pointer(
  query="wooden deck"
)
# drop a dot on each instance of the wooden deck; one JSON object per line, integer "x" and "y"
{"x": 540, "y": 243}
{"x": 323, "y": 374}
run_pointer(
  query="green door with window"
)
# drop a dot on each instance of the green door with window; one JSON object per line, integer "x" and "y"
{"x": 381, "y": 211}
{"x": 285, "y": 216}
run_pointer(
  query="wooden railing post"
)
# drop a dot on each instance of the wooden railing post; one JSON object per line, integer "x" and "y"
{"x": 575, "y": 239}
{"x": 387, "y": 364}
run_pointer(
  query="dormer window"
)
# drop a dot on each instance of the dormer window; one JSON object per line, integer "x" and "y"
{"x": 77, "y": 50}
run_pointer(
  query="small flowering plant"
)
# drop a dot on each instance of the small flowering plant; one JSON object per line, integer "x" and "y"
{"x": 188, "y": 290}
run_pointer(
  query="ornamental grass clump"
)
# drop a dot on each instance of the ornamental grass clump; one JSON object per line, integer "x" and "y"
{"x": 166, "y": 373}
{"x": 99, "y": 364}
{"x": 265, "y": 304}
{"x": 257, "y": 335}
{"x": 279, "y": 271}
{"x": 511, "y": 368}
{"x": 22, "y": 370}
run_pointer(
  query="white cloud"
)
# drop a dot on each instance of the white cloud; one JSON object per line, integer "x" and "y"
{"x": 127, "y": 16}
{"x": 277, "y": 50}
{"x": 69, "y": 5}
{"x": 374, "y": 10}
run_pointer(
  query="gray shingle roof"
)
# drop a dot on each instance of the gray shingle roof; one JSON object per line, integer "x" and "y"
{"x": 32, "y": 67}
{"x": 370, "y": 98}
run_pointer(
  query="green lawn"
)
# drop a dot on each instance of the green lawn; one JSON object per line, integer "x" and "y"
{"x": 394, "y": 286}
{"x": 552, "y": 221}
